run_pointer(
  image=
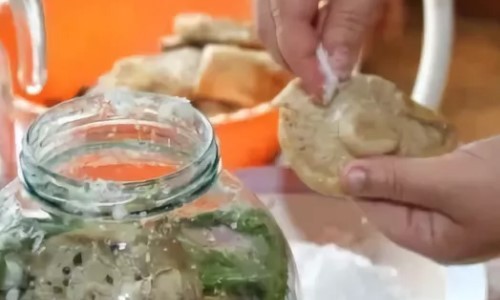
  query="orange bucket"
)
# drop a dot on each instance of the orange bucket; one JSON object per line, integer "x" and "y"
{"x": 85, "y": 38}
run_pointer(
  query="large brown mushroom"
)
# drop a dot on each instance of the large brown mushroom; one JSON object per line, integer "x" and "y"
{"x": 368, "y": 116}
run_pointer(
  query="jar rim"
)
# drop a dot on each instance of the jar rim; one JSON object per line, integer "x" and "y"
{"x": 120, "y": 106}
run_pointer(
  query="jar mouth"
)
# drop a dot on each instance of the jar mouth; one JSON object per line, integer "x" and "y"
{"x": 85, "y": 156}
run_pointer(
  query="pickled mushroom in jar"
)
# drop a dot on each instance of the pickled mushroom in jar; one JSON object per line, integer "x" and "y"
{"x": 110, "y": 262}
{"x": 368, "y": 116}
{"x": 237, "y": 253}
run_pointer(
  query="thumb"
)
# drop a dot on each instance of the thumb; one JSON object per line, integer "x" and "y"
{"x": 421, "y": 182}
{"x": 345, "y": 30}
{"x": 406, "y": 198}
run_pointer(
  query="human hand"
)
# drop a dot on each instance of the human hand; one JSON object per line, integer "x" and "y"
{"x": 292, "y": 30}
{"x": 446, "y": 208}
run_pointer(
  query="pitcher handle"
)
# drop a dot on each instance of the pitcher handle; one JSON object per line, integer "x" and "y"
{"x": 30, "y": 27}
{"x": 436, "y": 54}
{"x": 6, "y": 94}
{"x": 7, "y": 145}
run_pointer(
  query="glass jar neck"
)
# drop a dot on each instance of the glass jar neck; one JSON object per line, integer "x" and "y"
{"x": 118, "y": 155}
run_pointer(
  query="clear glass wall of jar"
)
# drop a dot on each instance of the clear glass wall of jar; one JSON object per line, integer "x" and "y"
{"x": 122, "y": 196}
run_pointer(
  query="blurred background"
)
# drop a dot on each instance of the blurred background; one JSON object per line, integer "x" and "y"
{"x": 472, "y": 98}
{"x": 85, "y": 39}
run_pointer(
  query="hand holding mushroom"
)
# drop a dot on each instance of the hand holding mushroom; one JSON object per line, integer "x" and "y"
{"x": 397, "y": 160}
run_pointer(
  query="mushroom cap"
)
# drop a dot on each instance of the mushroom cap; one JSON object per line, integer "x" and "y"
{"x": 368, "y": 116}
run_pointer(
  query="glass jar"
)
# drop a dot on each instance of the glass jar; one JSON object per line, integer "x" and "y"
{"x": 122, "y": 196}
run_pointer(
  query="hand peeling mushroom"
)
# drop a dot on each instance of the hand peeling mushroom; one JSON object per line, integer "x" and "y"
{"x": 368, "y": 116}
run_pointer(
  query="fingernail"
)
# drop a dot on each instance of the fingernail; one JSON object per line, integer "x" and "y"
{"x": 356, "y": 179}
{"x": 340, "y": 60}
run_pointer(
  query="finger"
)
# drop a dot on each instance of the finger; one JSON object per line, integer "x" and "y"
{"x": 422, "y": 231}
{"x": 266, "y": 29}
{"x": 298, "y": 40}
{"x": 346, "y": 28}
{"x": 422, "y": 182}
{"x": 320, "y": 21}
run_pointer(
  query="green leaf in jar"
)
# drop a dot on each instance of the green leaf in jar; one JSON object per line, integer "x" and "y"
{"x": 262, "y": 274}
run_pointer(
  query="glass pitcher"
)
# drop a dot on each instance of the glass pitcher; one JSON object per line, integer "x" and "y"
{"x": 122, "y": 196}
{"x": 31, "y": 75}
